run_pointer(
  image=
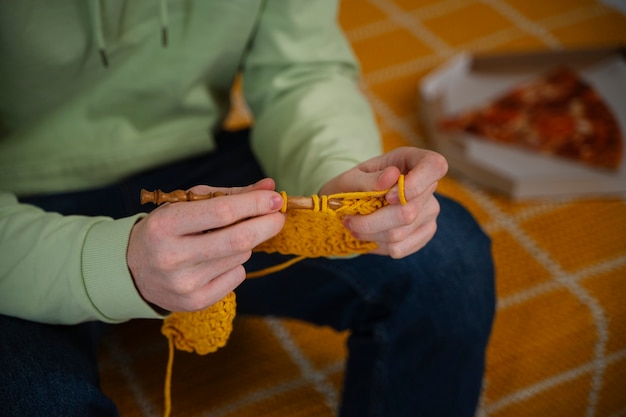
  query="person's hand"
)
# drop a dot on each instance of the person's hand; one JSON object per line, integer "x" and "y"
{"x": 187, "y": 256}
{"x": 399, "y": 230}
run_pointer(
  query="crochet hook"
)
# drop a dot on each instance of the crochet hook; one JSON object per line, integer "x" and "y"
{"x": 159, "y": 197}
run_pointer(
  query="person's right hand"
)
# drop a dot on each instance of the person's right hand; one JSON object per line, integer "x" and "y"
{"x": 187, "y": 256}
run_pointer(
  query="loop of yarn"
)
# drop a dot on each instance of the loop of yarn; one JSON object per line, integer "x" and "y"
{"x": 284, "y": 207}
{"x": 401, "y": 191}
{"x": 308, "y": 233}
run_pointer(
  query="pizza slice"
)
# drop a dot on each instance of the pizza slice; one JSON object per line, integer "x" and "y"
{"x": 557, "y": 113}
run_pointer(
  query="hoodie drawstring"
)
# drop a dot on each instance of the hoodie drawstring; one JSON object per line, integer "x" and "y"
{"x": 96, "y": 28}
{"x": 98, "y": 34}
{"x": 165, "y": 21}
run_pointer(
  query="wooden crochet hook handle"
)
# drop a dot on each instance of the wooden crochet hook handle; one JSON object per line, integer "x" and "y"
{"x": 159, "y": 197}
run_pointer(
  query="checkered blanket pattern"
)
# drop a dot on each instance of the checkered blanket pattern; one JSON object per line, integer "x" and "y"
{"x": 559, "y": 341}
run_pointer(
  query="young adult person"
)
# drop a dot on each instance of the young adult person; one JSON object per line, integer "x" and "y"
{"x": 102, "y": 98}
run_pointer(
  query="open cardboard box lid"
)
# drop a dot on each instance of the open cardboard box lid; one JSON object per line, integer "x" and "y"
{"x": 468, "y": 81}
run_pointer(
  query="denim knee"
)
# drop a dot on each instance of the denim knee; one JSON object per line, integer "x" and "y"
{"x": 49, "y": 370}
{"x": 461, "y": 282}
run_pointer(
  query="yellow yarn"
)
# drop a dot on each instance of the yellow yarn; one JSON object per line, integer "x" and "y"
{"x": 319, "y": 232}
{"x": 200, "y": 331}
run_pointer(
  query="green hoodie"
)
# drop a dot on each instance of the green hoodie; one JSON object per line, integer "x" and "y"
{"x": 69, "y": 122}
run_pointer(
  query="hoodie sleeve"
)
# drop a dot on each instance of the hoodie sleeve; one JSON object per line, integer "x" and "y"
{"x": 65, "y": 269}
{"x": 311, "y": 122}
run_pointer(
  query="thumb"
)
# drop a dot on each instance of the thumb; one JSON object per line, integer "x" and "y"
{"x": 263, "y": 184}
{"x": 376, "y": 181}
{"x": 358, "y": 179}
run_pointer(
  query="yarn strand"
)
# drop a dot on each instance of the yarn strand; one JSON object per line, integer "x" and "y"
{"x": 168, "y": 378}
{"x": 275, "y": 268}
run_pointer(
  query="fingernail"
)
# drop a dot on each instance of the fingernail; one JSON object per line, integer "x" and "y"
{"x": 347, "y": 223}
{"x": 277, "y": 202}
{"x": 392, "y": 196}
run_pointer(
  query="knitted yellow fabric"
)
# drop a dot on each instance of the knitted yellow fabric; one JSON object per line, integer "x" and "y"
{"x": 307, "y": 233}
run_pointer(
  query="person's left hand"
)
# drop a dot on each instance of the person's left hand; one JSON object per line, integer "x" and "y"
{"x": 399, "y": 230}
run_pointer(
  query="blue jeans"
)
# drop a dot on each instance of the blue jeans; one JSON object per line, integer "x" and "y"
{"x": 418, "y": 326}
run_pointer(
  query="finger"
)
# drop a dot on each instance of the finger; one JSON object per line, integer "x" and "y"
{"x": 424, "y": 175}
{"x": 221, "y": 249}
{"x": 405, "y": 158}
{"x": 206, "y": 271}
{"x": 422, "y": 179}
{"x": 393, "y": 223}
{"x": 221, "y": 286}
{"x": 208, "y": 294}
{"x": 198, "y": 216}
{"x": 419, "y": 209}
{"x": 263, "y": 184}
{"x": 181, "y": 257}
{"x": 374, "y": 181}
{"x": 387, "y": 218}
{"x": 184, "y": 277}
{"x": 240, "y": 237}
{"x": 358, "y": 180}
{"x": 413, "y": 243}
{"x": 412, "y": 194}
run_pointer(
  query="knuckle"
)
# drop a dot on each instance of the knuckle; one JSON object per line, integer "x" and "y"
{"x": 395, "y": 252}
{"x": 168, "y": 262}
{"x": 438, "y": 161}
{"x": 237, "y": 260}
{"x": 408, "y": 214}
{"x": 155, "y": 224}
{"x": 200, "y": 300}
{"x": 261, "y": 203}
{"x": 184, "y": 286}
{"x": 223, "y": 211}
{"x": 243, "y": 258}
{"x": 436, "y": 207}
{"x": 242, "y": 241}
{"x": 396, "y": 235}
{"x": 239, "y": 272}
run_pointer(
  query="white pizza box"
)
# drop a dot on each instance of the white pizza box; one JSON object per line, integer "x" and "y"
{"x": 468, "y": 81}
